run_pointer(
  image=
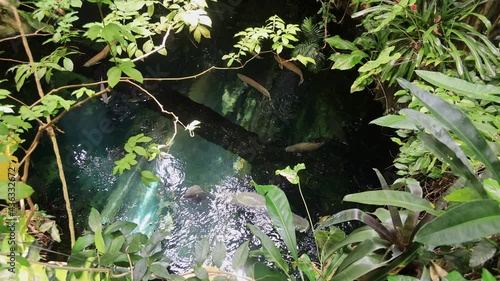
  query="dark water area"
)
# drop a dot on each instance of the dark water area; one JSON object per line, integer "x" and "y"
{"x": 321, "y": 109}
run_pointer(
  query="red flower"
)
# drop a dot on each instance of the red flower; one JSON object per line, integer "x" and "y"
{"x": 414, "y": 7}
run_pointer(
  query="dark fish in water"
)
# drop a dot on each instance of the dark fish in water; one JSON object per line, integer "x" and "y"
{"x": 290, "y": 66}
{"x": 250, "y": 82}
{"x": 304, "y": 146}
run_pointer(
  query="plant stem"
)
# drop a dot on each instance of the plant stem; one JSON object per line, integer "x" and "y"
{"x": 310, "y": 220}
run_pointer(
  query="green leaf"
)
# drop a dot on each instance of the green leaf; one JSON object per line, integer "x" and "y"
{"x": 125, "y": 227}
{"x": 291, "y": 175}
{"x": 393, "y": 198}
{"x": 218, "y": 254}
{"x": 487, "y": 276}
{"x": 160, "y": 270}
{"x": 359, "y": 268}
{"x": 201, "y": 251}
{"x": 240, "y": 256}
{"x": 68, "y": 64}
{"x": 339, "y": 43}
{"x": 99, "y": 241}
{"x": 201, "y": 273}
{"x": 462, "y": 195}
{"x": 383, "y": 58}
{"x": 83, "y": 242}
{"x": 111, "y": 31}
{"x": 481, "y": 253}
{"x": 272, "y": 253}
{"x": 395, "y": 121}
{"x": 363, "y": 249}
{"x": 117, "y": 243}
{"x": 140, "y": 269}
{"x": 281, "y": 216}
{"x": 262, "y": 272}
{"x": 462, "y": 87}
{"x": 346, "y": 61}
{"x": 14, "y": 190}
{"x": 460, "y": 124}
{"x": 466, "y": 222}
{"x": 95, "y": 221}
{"x": 114, "y": 75}
{"x": 306, "y": 266}
{"x": 132, "y": 73}
{"x": 492, "y": 188}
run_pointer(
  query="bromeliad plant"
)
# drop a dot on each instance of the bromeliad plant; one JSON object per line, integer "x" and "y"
{"x": 402, "y": 36}
{"x": 411, "y": 225}
{"x": 479, "y": 102}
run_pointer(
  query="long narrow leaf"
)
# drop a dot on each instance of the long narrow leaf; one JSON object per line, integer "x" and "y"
{"x": 281, "y": 216}
{"x": 394, "y": 198}
{"x": 462, "y": 87}
{"x": 466, "y": 222}
{"x": 363, "y": 249}
{"x": 272, "y": 253}
{"x": 359, "y": 235}
{"x": 457, "y": 121}
{"x": 357, "y": 214}
{"x": 447, "y": 155}
{"x": 359, "y": 268}
{"x": 396, "y": 219}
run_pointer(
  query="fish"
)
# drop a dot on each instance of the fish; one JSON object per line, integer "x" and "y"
{"x": 290, "y": 66}
{"x": 105, "y": 97}
{"x": 250, "y": 82}
{"x": 304, "y": 147}
{"x": 101, "y": 55}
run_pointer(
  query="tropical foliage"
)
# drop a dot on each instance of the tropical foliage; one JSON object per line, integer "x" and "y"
{"x": 403, "y": 36}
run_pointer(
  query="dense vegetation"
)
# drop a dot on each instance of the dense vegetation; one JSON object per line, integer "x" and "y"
{"x": 440, "y": 220}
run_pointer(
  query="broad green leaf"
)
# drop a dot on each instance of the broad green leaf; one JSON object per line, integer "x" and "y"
{"x": 466, "y": 222}
{"x": 492, "y": 188}
{"x": 481, "y": 253}
{"x": 240, "y": 256}
{"x": 14, "y": 190}
{"x": 462, "y": 87}
{"x": 272, "y": 253}
{"x": 99, "y": 240}
{"x": 125, "y": 227}
{"x": 462, "y": 195}
{"x": 339, "y": 43}
{"x": 262, "y": 272}
{"x": 117, "y": 243}
{"x": 346, "y": 61}
{"x": 132, "y": 73}
{"x": 383, "y": 58}
{"x": 446, "y": 155}
{"x": 68, "y": 64}
{"x": 359, "y": 268}
{"x": 218, "y": 254}
{"x": 114, "y": 75}
{"x": 393, "y": 198}
{"x": 454, "y": 276}
{"x": 363, "y": 249}
{"x": 356, "y": 214}
{"x": 95, "y": 221}
{"x": 460, "y": 124}
{"x": 111, "y": 31}
{"x": 487, "y": 276}
{"x": 359, "y": 235}
{"x": 396, "y": 219}
{"x": 140, "y": 268}
{"x": 291, "y": 175}
{"x": 83, "y": 242}
{"x": 201, "y": 273}
{"x": 281, "y": 216}
{"x": 201, "y": 251}
{"x": 159, "y": 269}
{"x": 306, "y": 266}
{"x": 395, "y": 121}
